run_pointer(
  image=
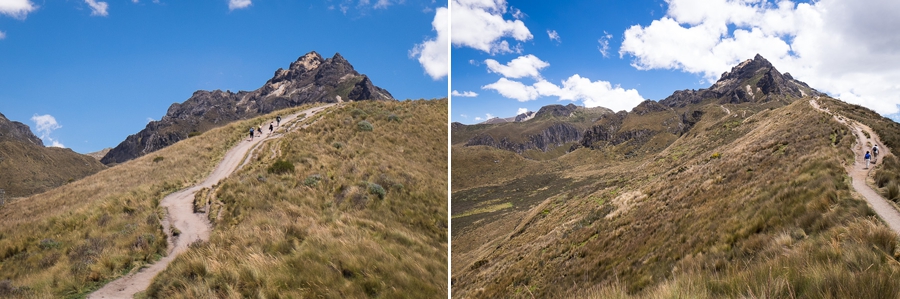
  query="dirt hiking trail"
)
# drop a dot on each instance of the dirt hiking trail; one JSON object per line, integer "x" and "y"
{"x": 858, "y": 172}
{"x": 180, "y": 212}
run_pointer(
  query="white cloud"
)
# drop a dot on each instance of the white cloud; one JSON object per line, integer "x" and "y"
{"x": 479, "y": 24}
{"x": 2, "y": 35}
{"x": 604, "y": 44}
{"x": 478, "y": 118}
{"x": 45, "y": 124}
{"x": 467, "y": 94}
{"x": 575, "y": 88}
{"x": 523, "y": 66}
{"x": 521, "y": 110}
{"x": 97, "y": 8}
{"x": 238, "y": 4}
{"x": 553, "y": 35}
{"x": 149, "y": 119}
{"x": 464, "y": 116}
{"x": 516, "y": 13}
{"x": 849, "y": 49}
{"x": 382, "y": 3}
{"x": 18, "y": 9}
{"x": 433, "y": 54}
{"x": 489, "y": 116}
{"x": 514, "y": 90}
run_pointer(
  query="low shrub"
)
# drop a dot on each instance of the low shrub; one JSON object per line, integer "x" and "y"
{"x": 376, "y": 189}
{"x": 365, "y": 126}
{"x": 281, "y": 166}
{"x": 312, "y": 180}
{"x": 158, "y": 159}
{"x": 393, "y": 117}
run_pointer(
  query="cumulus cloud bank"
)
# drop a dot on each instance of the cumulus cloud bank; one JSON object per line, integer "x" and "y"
{"x": 846, "y": 48}
{"x": 18, "y": 9}
{"x": 433, "y": 53}
{"x": 574, "y": 88}
{"x": 479, "y": 24}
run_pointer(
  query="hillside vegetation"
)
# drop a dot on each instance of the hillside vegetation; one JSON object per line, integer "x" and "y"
{"x": 71, "y": 240}
{"x": 752, "y": 202}
{"x": 352, "y": 206}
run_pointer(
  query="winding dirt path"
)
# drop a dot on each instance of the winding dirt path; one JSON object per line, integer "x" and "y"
{"x": 858, "y": 171}
{"x": 193, "y": 226}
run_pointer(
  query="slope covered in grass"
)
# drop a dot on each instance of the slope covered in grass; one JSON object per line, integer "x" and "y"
{"x": 72, "y": 239}
{"x": 744, "y": 205}
{"x": 362, "y": 213}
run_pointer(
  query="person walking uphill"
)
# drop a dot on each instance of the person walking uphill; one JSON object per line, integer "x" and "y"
{"x": 875, "y": 154}
{"x": 251, "y": 134}
{"x": 278, "y": 119}
{"x": 271, "y": 128}
{"x": 868, "y": 157}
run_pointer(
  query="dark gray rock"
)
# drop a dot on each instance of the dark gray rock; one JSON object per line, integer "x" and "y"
{"x": 17, "y": 131}
{"x": 310, "y": 79}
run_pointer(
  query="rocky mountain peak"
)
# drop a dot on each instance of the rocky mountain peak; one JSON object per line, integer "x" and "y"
{"x": 307, "y": 62}
{"x": 309, "y": 79}
{"x": 17, "y": 131}
{"x": 753, "y": 80}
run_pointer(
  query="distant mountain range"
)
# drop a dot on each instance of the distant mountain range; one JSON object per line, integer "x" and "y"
{"x": 27, "y": 167}
{"x": 310, "y": 79}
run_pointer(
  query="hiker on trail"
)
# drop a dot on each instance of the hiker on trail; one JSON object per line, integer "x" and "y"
{"x": 278, "y": 119}
{"x": 251, "y": 134}
{"x": 259, "y": 130}
{"x": 868, "y": 157}
{"x": 875, "y": 151}
{"x": 271, "y": 128}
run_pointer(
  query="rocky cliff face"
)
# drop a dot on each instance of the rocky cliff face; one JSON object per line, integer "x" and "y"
{"x": 309, "y": 79}
{"x": 14, "y": 130}
{"x": 554, "y": 135}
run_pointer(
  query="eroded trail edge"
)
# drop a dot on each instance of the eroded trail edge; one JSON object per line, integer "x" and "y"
{"x": 858, "y": 171}
{"x": 192, "y": 226}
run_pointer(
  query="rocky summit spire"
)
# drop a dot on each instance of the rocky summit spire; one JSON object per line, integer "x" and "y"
{"x": 753, "y": 80}
{"x": 309, "y": 79}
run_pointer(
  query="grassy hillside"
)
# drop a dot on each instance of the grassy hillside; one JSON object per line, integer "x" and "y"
{"x": 31, "y": 169}
{"x": 748, "y": 204}
{"x": 72, "y": 239}
{"x": 358, "y": 213}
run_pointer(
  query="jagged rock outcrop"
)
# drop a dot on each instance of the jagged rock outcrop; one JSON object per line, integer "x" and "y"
{"x": 524, "y": 116}
{"x": 309, "y": 79}
{"x": 14, "y": 130}
{"x": 754, "y": 80}
{"x": 556, "y": 134}
{"x": 556, "y": 110}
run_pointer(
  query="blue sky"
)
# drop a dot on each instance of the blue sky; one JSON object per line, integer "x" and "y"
{"x": 509, "y": 56}
{"x": 101, "y": 69}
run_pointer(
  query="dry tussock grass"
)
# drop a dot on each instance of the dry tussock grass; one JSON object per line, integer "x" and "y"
{"x": 293, "y": 236}
{"x": 71, "y": 240}
{"x": 739, "y": 207}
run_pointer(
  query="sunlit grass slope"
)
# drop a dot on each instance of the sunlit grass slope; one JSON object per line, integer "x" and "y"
{"x": 72, "y": 239}
{"x": 362, "y": 213}
{"x": 742, "y": 206}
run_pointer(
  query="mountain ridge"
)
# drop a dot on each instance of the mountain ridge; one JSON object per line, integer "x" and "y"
{"x": 309, "y": 79}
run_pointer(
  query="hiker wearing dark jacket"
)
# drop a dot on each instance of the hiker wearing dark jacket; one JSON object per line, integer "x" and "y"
{"x": 868, "y": 157}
